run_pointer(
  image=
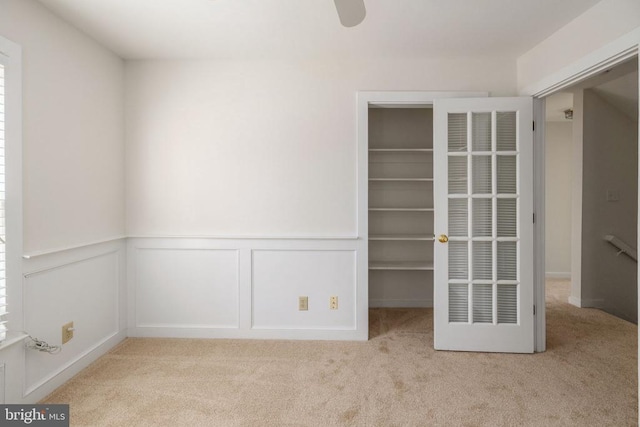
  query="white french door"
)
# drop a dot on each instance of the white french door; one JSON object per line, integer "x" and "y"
{"x": 483, "y": 199}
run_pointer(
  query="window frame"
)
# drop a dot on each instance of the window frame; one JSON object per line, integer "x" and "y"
{"x": 11, "y": 58}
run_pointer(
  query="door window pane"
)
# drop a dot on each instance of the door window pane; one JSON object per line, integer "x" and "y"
{"x": 458, "y": 217}
{"x": 506, "y": 174}
{"x": 457, "y": 131}
{"x": 481, "y": 123}
{"x": 482, "y": 217}
{"x": 508, "y": 303}
{"x": 482, "y": 260}
{"x": 507, "y": 217}
{"x": 507, "y": 261}
{"x": 457, "y": 175}
{"x": 506, "y": 131}
{"x": 482, "y": 174}
{"x": 458, "y": 302}
{"x": 482, "y": 303}
{"x": 458, "y": 260}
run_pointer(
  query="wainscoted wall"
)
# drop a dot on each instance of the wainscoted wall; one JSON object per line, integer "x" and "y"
{"x": 281, "y": 276}
{"x": 180, "y": 288}
{"x": 84, "y": 285}
{"x": 247, "y": 288}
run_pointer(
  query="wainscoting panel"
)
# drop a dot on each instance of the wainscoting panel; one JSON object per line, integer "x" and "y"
{"x": 280, "y": 277}
{"x": 201, "y": 287}
{"x": 194, "y": 288}
{"x": 83, "y": 286}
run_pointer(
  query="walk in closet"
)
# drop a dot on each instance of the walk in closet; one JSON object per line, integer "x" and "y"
{"x": 401, "y": 207}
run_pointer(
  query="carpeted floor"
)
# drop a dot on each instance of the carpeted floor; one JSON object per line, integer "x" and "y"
{"x": 588, "y": 377}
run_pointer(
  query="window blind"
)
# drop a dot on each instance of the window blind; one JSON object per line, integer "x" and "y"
{"x": 3, "y": 281}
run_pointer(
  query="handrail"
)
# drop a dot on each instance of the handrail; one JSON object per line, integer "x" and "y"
{"x": 622, "y": 246}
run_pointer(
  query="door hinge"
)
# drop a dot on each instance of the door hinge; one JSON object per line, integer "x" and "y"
{"x": 534, "y": 126}
{"x": 534, "y": 218}
{"x": 534, "y": 310}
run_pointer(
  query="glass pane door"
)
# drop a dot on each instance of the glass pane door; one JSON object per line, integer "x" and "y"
{"x": 483, "y": 186}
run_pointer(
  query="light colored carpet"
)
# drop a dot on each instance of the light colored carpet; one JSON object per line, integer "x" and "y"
{"x": 588, "y": 377}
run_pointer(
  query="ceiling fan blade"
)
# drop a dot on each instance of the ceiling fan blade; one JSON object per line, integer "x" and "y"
{"x": 351, "y": 12}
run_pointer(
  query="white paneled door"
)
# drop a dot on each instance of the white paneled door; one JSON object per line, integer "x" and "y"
{"x": 483, "y": 195}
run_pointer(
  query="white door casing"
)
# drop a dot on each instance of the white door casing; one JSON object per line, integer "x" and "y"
{"x": 483, "y": 199}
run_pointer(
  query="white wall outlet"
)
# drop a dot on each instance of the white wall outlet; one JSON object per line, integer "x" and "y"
{"x": 303, "y": 303}
{"x": 333, "y": 303}
{"x": 67, "y": 332}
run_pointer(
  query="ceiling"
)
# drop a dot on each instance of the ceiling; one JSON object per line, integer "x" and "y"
{"x": 216, "y": 29}
{"x": 622, "y": 93}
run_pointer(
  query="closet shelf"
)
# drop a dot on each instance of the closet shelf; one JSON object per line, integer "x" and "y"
{"x": 402, "y": 179}
{"x": 400, "y": 209}
{"x": 400, "y": 265}
{"x": 400, "y": 150}
{"x": 401, "y": 237}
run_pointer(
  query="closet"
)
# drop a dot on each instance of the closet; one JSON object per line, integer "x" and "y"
{"x": 400, "y": 207}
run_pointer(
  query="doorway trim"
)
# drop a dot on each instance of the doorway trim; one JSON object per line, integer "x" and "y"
{"x": 602, "y": 59}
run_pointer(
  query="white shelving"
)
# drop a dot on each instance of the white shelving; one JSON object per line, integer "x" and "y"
{"x": 400, "y": 205}
{"x": 401, "y": 237}
{"x": 402, "y": 179}
{"x": 398, "y": 150}
{"x": 401, "y": 209}
{"x": 400, "y": 265}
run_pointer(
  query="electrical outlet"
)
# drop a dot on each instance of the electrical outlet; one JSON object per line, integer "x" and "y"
{"x": 333, "y": 303}
{"x": 67, "y": 332}
{"x": 303, "y": 303}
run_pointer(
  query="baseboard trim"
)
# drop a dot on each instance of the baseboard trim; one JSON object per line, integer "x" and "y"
{"x": 46, "y": 386}
{"x": 558, "y": 275}
{"x": 591, "y": 303}
{"x": 400, "y": 303}
{"x": 586, "y": 303}
{"x": 260, "y": 334}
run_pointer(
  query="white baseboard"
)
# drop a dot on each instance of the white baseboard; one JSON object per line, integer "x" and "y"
{"x": 35, "y": 394}
{"x": 586, "y": 303}
{"x": 575, "y": 301}
{"x": 593, "y": 303}
{"x": 558, "y": 275}
{"x": 254, "y": 333}
{"x": 400, "y": 303}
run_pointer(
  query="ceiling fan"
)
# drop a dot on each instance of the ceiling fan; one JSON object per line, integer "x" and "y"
{"x": 350, "y": 12}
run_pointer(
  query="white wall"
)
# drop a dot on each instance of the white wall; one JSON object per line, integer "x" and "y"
{"x": 72, "y": 130}
{"x": 73, "y": 193}
{"x": 610, "y": 153}
{"x": 265, "y": 151}
{"x": 264, "y": 147}
{"x": 558, "y": 143}
{"x": 602, "y": 24}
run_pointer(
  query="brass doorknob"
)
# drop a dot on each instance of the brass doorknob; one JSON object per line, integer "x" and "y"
{"x": 443, "y": 238}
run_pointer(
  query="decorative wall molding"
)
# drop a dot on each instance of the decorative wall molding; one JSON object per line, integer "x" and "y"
{"x": 52, "y": 251}
{"x": 206, "y": 287}
{"x": 279, "y": 270}
{"x": 64, "y": 283}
